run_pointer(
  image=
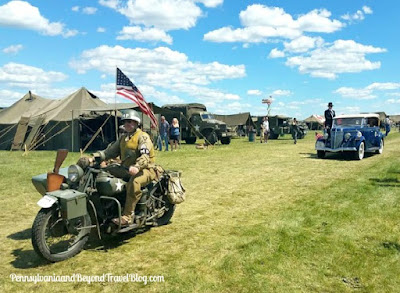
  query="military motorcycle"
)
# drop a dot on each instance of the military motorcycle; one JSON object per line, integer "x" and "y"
{"x": 77, "y": 200}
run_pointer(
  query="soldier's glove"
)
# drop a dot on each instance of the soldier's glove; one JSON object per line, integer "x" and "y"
{"x": 84, "y": 162}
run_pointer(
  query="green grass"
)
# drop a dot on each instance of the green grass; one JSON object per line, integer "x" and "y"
{"x": 258, "y": 218}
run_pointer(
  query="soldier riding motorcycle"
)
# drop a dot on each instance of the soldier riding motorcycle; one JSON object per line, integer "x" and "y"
{"x": 115, "y": 198}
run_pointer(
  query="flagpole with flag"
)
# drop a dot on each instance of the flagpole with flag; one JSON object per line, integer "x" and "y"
{"x": 126, "y": 89}
{"x": 115, "y": 112}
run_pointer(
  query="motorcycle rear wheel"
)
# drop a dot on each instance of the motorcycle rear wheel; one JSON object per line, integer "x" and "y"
{"x": 49, "y": 226}
{"x": 166, "y": 217}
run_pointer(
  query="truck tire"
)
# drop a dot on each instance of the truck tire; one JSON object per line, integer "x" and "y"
{"x": 211, "y": 136}
{"x": 225, "y": 140}
{"x": 190, "y": 140}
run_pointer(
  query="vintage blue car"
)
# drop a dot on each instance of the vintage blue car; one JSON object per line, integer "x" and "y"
{"x": 358, "y": 134}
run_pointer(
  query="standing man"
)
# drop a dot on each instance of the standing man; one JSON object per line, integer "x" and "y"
{"x": 265, "y": 127}
{"x": 329, "y": 115}
{"x": 295, "y": 130}
{"x": 164, "y": 132}
{"x": 387, "y": 125}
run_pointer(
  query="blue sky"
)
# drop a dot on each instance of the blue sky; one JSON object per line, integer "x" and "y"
{"x": 228, "y": 55}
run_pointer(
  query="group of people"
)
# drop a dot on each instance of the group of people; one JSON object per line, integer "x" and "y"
{"x": 168, "y": 134}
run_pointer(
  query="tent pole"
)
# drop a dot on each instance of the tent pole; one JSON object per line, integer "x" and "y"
{"x": 72, "y": 130}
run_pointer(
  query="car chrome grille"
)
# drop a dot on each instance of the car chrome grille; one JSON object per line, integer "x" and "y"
{"x": 336, "y": 138}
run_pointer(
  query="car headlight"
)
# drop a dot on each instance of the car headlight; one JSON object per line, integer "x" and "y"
{"x": 74, "y": 173}
{"x": 326, "y": 135}
{"x": 359, "y": 134}
{"x": 320, "y": 144}
{"x": 347, "y": 136}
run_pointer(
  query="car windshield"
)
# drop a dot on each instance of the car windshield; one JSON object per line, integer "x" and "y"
{"x": 348, "y": 121}
{"x": 206, "y": 116}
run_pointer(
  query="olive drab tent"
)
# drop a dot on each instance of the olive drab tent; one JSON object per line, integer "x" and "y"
{"x": 54, "y": 124}
{"x": 239, "y": 123}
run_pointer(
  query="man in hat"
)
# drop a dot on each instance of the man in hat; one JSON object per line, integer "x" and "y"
{"x": 329, "y": 115}
{"x": 137, "y": 155}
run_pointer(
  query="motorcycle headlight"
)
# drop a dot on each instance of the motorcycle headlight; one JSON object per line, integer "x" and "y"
{"x": 326, "y": 135}
{"x": 347, "y": 136}
{"x": 74, "y": 173}
{"x": 359, "y": 134}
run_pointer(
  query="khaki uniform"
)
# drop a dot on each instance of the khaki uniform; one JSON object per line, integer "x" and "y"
{"x": 135, "y": 150}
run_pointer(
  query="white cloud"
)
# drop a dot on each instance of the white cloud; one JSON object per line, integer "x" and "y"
{"x": 281, "y": 93}
{"x": 348, "y": 110}
{"x": 261, "y": 23}
{"x": 89, "y": 10}
{"x": 303, "y": 44}
{"x": 384, "y": 86}
{"x": 360, "y": 94}
{"x": 13, "y": 49}
{"x": 275, "y": 53}
{"x": 24, "y": 76}
{"x": 144, "y": 35}
{"x": 234, "y": 107}
{"x": 343, "y": 56}
{"x": 70, "y": 33}
{"x": 75, "y": 8}
{"x": 161, "y": 67}
{"x": 318, "y": 21}
{"x": 358, "y": 15}
{"x": 101, "y": 29}
{"x": 22, "y": 15}
{"x": 254, "y": 92}
{"x": 393, "y": 101}
{"x": 367, "y": 10}
{"x": 368, "y": 92}
{"x": 110, "y": 3}
{"x": 211, "y": 3}
{"x": 162, "y": 14}
{"x": 8, "y": 97}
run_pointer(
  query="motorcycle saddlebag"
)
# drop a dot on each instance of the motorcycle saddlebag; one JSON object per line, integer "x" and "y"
{"x": 175, "y": 191}
{"x": 72, "y": 203}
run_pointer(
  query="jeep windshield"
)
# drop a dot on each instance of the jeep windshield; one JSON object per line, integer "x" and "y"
{"x": 357, "y": 121}
{"x": 206, "y": 116}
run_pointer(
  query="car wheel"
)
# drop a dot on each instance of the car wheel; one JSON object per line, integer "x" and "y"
{"x": 380, "y": 151}
{"x": 359, "y": 155}
{"x": 321, "y": 154}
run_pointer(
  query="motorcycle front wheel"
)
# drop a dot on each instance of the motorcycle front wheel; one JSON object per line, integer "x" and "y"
{"x": 53, "y": 240}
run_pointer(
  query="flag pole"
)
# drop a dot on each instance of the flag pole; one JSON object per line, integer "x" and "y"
{"x": 115, "y": 105}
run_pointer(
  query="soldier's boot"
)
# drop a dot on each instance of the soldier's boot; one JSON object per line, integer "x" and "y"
{"x": 125, "y": 220}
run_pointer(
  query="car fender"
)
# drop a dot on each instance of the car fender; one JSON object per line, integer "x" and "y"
{"x": 359, "y": 141}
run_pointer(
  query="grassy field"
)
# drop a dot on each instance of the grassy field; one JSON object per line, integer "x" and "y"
{"x": 258, "y": 218}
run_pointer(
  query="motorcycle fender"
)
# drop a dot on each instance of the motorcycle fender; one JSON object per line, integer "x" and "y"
{"x": 47, "y": 201}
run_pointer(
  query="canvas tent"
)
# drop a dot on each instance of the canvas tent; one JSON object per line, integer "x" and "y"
{"x": 239, "y": 123}
{"x": 315, "y": 122}
{"x": 395, "y": 119}
{"x": 50, "y": 124}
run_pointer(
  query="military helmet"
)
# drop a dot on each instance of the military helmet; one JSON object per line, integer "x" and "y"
{"x": 131, "y": 115}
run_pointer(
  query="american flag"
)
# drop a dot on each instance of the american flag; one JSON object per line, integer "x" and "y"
{"x": 127, "y": 89}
